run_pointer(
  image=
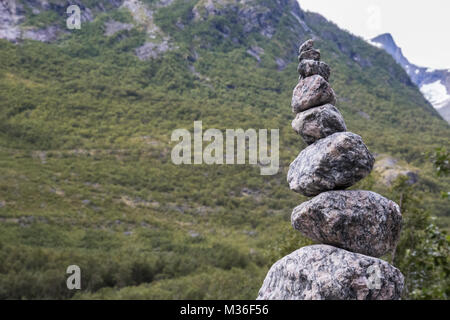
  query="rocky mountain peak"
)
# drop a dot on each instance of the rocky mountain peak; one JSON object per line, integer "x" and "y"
{"x": 386, "y": 39}
{"x": 434, "y": 84}
{"x": 387, "y": 43}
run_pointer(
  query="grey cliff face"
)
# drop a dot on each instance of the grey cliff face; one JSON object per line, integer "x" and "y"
{"x": 10, "y": 18}
{"x": 318, "y": 123}
{"x": 308, "y": 68}
{"x": 253, "y": 15}
{"x": 358, "y": 221}
{"x": 152, "y": 50}
{"x": 312, "y": 92}
{"x": 421, "y": 76}
{"x": 336, "y": 162}
{"x": 13, "y": 13}
{"x": 323, "y": 272}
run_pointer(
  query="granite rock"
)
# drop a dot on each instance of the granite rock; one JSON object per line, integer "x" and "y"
{"x": 323, "y": 272}
{"x": 318, "y": 123}
{"x": 309, "y": 55}
{"x": 312, "y": 92}
{"x": 358, "y": 221}
{"x": 308, "y": 68}
{"x": 306, "y": 46}
{"x": 335, "y": 162}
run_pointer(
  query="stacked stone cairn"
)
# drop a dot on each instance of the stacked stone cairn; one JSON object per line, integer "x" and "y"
{"x": 354, "y": 228}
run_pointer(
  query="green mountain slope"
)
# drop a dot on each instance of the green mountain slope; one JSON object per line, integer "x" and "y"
{"x": 85, "y": 127}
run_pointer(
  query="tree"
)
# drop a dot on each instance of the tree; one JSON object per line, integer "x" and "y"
{"x": 440, "y": 159}
{"x": 422, "y": 254}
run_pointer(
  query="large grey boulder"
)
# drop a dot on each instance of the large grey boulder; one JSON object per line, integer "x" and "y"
{"x": 335, "y": 162}
{"x": 323, "y": 272}
{"x": 318, "y": 123}
{"x": 312, "y": 92}
{"x": 358, "y": 221}
{"x": 308, "y": 68}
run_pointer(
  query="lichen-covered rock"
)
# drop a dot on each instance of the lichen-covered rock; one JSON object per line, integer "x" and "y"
{"x": 309, "y": 55}
{"x": 323, "y": 272}
{"x": 305, "y": 46}
{"x": 308, "y": 68}
{"x": 358, "y": 221}
{"x": 335, "y": 162}
{"x": 312, "y": 92}
{"x": 318, "y": 123}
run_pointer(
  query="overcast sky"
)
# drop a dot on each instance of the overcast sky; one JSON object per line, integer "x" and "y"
{"x": 420, "y": 27}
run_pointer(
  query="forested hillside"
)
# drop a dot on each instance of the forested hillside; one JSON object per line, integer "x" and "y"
{"x": 85, "y": 151}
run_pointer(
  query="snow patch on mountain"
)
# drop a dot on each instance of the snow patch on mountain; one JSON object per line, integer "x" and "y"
{"x": 434, "y": 84}
{"x": 436, "y": 93}
{"x": 376, "y": 44}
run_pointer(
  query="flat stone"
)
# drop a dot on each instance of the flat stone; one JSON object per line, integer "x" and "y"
{"x": 335, "y": 162}
{"x": 358, "y": 221}
{"x": 309, "y": 55}
{"x": 305, "y": 46}
{"x": 324, "y": 272}
{"x": 312, "y": 92}
{"x": 318, "y": 123}
{"x": 308, "y": 68}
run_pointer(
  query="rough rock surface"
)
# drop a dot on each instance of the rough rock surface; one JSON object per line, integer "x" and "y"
{"x": 312, "y": 92}
{"x": 307, "y": 45}
{"x": 358, "y": 221}
{"x": 151, "y": 50}
{"x": 143, "y": 16}
{"x": 323, "y": 272}
{"x": 112, "y": 27}
{"x": 10, "y": 17}
{"x": 256, "y": 52}
{"x": 48, "y": 34}
{"x": 335, "y": 162}
{"x": 309, "y": 55}
{"x": 308, "y": 68}
{"x": 13, "y": 14}
{"x": 252, "y": 15}
{"x": 318, "y": 123}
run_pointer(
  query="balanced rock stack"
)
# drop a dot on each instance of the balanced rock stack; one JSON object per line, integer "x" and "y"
{"x": 354, "y": 227}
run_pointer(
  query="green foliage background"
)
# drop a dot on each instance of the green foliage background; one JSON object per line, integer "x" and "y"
{"x": 86, "y": 175}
